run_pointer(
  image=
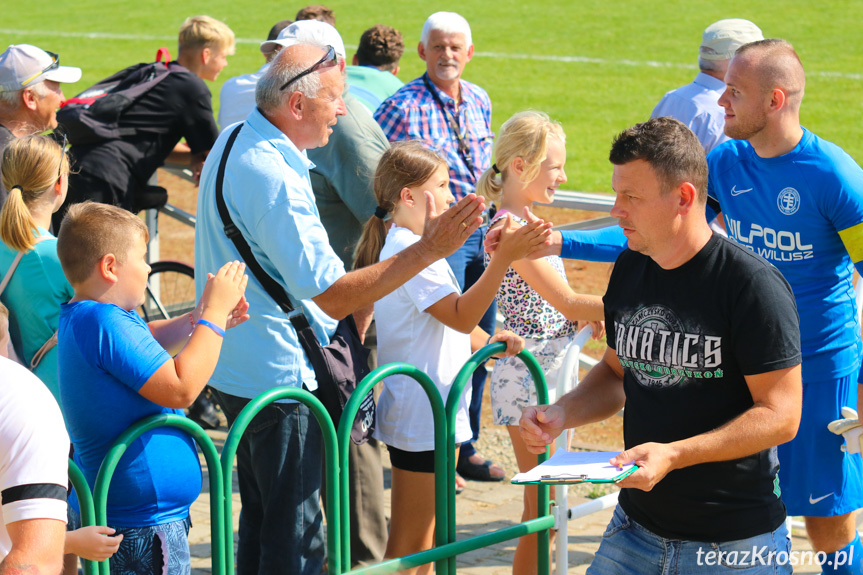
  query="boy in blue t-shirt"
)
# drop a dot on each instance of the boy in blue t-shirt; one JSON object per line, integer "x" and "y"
{"x": 115, "y": 370}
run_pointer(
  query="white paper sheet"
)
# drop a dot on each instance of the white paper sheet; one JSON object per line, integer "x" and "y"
{"x": 575, "y": 466}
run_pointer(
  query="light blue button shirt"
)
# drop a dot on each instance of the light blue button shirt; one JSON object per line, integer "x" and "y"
{"x": 270, "y": 199}
{"x": 695, "y": 105}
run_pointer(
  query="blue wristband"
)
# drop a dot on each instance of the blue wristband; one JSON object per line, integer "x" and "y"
{"x": 219, "y": 331}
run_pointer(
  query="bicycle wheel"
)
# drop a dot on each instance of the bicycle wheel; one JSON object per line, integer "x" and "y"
{"x": 170, "y": 291}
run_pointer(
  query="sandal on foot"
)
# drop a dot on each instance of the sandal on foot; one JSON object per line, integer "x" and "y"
{"x": 459, "y": 488}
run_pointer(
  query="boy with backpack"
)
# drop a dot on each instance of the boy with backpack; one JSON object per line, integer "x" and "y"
{"x": 175, "y": 104}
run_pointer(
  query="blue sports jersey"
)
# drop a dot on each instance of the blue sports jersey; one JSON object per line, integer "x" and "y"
{"x": 802, "y": 212}
{"x": 106, "y": 354}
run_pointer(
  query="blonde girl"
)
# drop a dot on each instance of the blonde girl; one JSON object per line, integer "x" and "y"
{"x": 36, "y": 173}
{"x": 427, "y": 323}
{"x": 534, "y": 298}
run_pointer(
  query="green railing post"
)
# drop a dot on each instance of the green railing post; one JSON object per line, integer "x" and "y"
{"x": 112, "y": 458}
{"x": 328, "y": 431}
{"x": 440, "y": 554}
{"x": 442, "y": 488}
{"x": 85, "y": 504}
{"x": 452, "y": 402}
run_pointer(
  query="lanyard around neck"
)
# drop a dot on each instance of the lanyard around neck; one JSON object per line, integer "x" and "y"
{"x": 452, "y": 122}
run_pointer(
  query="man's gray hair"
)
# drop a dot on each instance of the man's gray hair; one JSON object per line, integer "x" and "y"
{"x": 448, "y": 23}
{"x": 10, "y": 101}
{"x": 269, "y": 96}
{"x": 716, "y": 66}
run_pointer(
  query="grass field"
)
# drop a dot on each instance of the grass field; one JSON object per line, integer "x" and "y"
{"x": 597, "y": 66}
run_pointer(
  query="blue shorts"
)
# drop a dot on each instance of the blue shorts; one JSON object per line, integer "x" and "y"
{"x": 816, "y": 477}
{"x": 157, "y": 550}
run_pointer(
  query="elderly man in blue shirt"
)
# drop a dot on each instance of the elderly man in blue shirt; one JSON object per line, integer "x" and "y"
{"x": 696, "y": 104}
{"x": 269, "y": 197}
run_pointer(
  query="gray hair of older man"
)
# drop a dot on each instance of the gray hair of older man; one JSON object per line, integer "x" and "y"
{"x": 448, "y": 23}
{"x": 716, "y": 66}
{"x": 269, "y": 96}
{"x": 11, "y": 101}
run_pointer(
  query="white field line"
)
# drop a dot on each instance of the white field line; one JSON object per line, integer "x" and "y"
{"x": 479, "y": 54}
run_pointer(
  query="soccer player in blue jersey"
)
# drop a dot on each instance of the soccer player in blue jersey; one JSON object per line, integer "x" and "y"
{"x": 797, "y": 201}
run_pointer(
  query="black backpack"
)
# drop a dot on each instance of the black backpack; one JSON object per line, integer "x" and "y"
{"x": 93, "y": 116}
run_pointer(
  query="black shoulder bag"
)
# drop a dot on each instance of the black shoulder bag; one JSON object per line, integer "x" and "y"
{"x": 339, "y": 365}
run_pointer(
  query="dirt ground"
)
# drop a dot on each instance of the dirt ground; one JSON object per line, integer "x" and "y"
{"x": 177, "y": 243}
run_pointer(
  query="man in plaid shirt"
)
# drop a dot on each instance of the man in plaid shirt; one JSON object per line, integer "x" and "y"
{"x": 453, "y": 118}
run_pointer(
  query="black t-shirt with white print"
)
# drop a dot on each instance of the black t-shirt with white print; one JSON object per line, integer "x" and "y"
{"x": 686, "y": 338}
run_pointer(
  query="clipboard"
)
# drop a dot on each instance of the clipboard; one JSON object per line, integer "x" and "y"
{"x": 570, "y": 467}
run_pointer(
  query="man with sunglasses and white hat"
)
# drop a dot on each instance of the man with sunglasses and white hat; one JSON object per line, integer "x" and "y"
{"x": 30, "y": 93}
{"x": 341, "y": 180}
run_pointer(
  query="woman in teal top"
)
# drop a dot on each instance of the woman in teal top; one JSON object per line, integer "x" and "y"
{"x": 36, "y": 172}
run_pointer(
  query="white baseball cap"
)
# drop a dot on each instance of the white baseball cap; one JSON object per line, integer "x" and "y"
{"x": 722, "y": 39}
{"x": 23, "y": 65}
{"x": 307, "y": 32}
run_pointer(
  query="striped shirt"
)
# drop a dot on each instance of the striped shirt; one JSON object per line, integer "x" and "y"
{"x": 412, "y": 113}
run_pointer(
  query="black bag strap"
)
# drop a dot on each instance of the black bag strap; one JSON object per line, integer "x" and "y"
{"x": 296, "y": 316}
{"x": 270, "y": 285}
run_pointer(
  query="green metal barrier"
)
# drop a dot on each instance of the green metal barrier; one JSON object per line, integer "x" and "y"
{"x": 447, "y": 547}
{"x": 85, "y": 504}
{"x": 229, "y": 452}
{"x": 109, "y": 464}
{"x": 455, "y": 393}
{"x": 337, "y": 477}
{"x": 441, "y": 462}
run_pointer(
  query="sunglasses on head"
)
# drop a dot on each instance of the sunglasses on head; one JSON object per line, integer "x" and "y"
{"x": 55, "y": 63}
{"x": 328, "y": 59}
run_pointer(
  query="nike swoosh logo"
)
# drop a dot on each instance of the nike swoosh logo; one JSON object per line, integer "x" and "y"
{"x": 736, "y": 192}
{"x": 814, "y": 501}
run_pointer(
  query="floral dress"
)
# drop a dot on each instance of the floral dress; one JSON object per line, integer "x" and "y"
{"x": 546, "y": 332}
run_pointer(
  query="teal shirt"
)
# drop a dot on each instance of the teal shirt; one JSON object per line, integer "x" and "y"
{"x": 372, "y": 86}
{"x": 343, "y": 174}
{"x": 33, "y": 296}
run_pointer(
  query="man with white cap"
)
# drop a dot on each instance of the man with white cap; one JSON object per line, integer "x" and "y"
{"x": 341, "y": 180}
{"x": 30, "y": 93}
{"x": 695, "y": 104}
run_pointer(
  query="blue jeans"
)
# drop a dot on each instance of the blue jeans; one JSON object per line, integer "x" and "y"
{"x": 628, "y": 548}
{"x": 279, "y": 469}
{"x": 468, "y": 264}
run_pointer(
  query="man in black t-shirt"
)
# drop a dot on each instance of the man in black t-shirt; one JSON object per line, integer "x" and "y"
{"x": 178, "y": 107}
{"x": 704, "y": 353}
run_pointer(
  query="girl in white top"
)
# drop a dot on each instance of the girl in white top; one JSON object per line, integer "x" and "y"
{"x": 535, "y": 297}
{"x": 427, "y": 323}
